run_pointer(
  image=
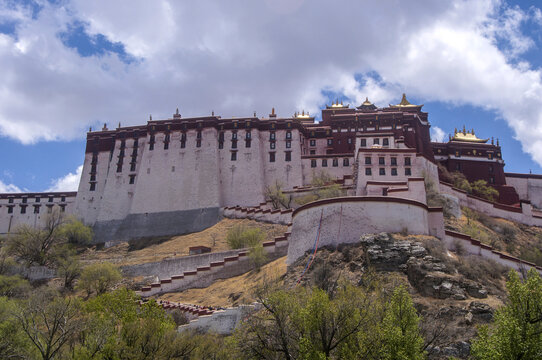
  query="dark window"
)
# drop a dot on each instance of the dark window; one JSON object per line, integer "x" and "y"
{"x": 272, "y": 135}
{"x": 324, "y": 162}
{"x": 132, "y": 166}
{"x": 349, "y": 140}
{"x": 10, "y": 209}
{"x": 312, "y": 142}
{"x": 394, "y": 161}
{"x": 247, "y": 143}
{"x": 198, "y": 142}
{"x": 233, "y": 155}
{"x": 385, "y": 142}
{"x": 63, "y": 199}
{"x": 346, "y": 162}
{"x": 151, "y": 146}
{"x": 382, "y": 171}
{"x": 166, "y": 145}
{"x": 376, "y": 141}
{"x": 492, "y": 180}
{"x": 368, "y": 171}
{"x": 23, "y": 209}
{"x": 381, "y": 161}
{"x": 458, "y": 167}
{"x": 221, "y": 145}
{"x": 134, "y": 152}
{"x": 271, "y": 157}
{"x": 24, "y": 200}
{"x": 335, "y": 162}
{"x": 92, "y": 177}
{"x": 50, "y": 199}
{"x": 490, "y": 169}
{"x": 363, "y": 143}
{"x": 408, "y": 172}
{"x": 288, "y": 134}
{"x": 329, "y": 142}
{"x": 313, "y": 152}
{"x": 313, "y": 163}
{"x": 10, "y": 200}
{"x": 62, "y": 208}
{"x": 367, "y": 160}
{"x": 132, "y": 179}
{"x": 92, "y": 186}
{"x": 407, "y": 161}
{"x": 136, "y": 144}
{"x": 221, "y": 136}
{"x": 93, "y": 168}
{"x": 49, "y": 209}
{"x": 234, "y": 135}
{"x": 288, "y": 144}
{"x": 119, "y": 167}
{"x": 288, "y": 156}
{"x": 393, "y": 171}
{"x": 248, "y": 135}
{"x": 198, "y": 135}
{"x": 122, "y": 144}
{"x": 183, "y": 144}
{"x": 272, "y": 145}
{"x": 234, "y": 144}
{"x": 36, "y": 209}
{"x": 38, "y": 199}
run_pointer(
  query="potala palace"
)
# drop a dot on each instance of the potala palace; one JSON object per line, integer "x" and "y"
{"x": 181, "y": 175}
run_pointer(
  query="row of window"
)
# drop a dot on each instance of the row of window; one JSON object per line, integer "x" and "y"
{"x": 272, "y": 156}
{"x": 382, "y": 161}
{"x": 334, "y": 162}
{"x": 37, "y": 199}
{"x": 376, "y": 141}
{"x": 36, "y": 208}
{"x": 382, "y": 171}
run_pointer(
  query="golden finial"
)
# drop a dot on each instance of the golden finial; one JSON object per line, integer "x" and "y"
{"x": 150, "y": 117}
{"x": 472, "y": 131}
{"x": 177, "y": 111}
{"x": 303, "y": 113}
{"x": 455, "y": 131}
{"x": 497, "y": 141}
{"x": 449, "y": 137}
{"x": 119, "y": 124}
{"x": 254, "y": 113}
{"x": 90, "y": 129}
{"x": 105, "y": 127}
{"x": 213, "y": 113}
{"x": 341, "y": 102}
{"x": 464, "y": 130}
{"x": 492, "y": 143}
{"x": 366, "y": 99}
{"x": 272, "y": 111}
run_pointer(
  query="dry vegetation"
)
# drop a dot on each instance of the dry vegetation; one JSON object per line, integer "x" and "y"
{"x": 213, "y": 237}
{"x": 516, "y": 239}
{"x": 233, "y": 291}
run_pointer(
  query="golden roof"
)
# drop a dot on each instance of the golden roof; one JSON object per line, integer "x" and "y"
{"x": 405, "y": 103}
{"x": 467, "y": 136}
{"x": 302, "y": 115}
{"x": 336, "y": 105}
{"x": 367, "y": 102}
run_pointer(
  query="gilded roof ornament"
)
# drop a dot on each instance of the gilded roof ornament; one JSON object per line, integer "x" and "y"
{"x": 405, "y": 103}
{"x": 465, "y": 136}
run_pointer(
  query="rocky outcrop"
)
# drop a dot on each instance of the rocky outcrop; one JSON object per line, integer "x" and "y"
{"x": 425, "y": 273}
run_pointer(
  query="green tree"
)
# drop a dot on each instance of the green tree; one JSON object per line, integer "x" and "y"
{"x": 400, "y": 328}
{"x": 257, "y": 255}
{"x": 276, "y": 195}
{"x": 516, "y": 332}
{"x": 13, "y": 342}
{"x": 14, "y": 286}
{"x": 482, "y": 189}
{"x": 75, "y": 232}
{"x": 98, "y": 278}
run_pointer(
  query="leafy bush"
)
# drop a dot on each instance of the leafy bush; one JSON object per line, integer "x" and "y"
{"x": 99, "y": 278}
{"x": 257, "y": 255}
{"x": 482, "y": 189}
{"x": 13, "y": 286}
{"x": 240, "y": 237}
{"x": 76, "y": 232}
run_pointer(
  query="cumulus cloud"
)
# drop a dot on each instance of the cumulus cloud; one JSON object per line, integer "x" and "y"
{"x": 437, "y": 134}
{"x": 8, "y": 188}
{"x": 236, "y": 57}
{"x": 69, "y": 182}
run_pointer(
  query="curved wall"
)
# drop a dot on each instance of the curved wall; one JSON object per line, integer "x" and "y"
{"x": 345, "y": 219}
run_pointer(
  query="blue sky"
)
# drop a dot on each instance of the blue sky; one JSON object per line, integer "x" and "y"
{"x": 71, "y": 64}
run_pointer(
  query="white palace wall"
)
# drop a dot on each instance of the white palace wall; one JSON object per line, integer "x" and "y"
{"x": 345, "y": 219}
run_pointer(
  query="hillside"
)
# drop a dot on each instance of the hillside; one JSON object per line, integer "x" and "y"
{"x": 522, "y": 241}
{"x": 158, "y": 249}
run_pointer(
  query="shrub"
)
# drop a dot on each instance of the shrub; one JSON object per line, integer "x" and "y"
{"x": 99, "y": 278}
{"x": 76, "y": 232}
{"x": 239, "y": 237}
{"x": 483, "y": 190}
{"x": 459, "y": 249}
{"x": 257, "y": 255}
{"x": 13, "y": 286}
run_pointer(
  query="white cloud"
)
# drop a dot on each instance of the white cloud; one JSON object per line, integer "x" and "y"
{"x": 437, "y": 134}
{"x": 8, "y": 188}
{"x": 69, "y": 182}
{"x": 236, "y": 57}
